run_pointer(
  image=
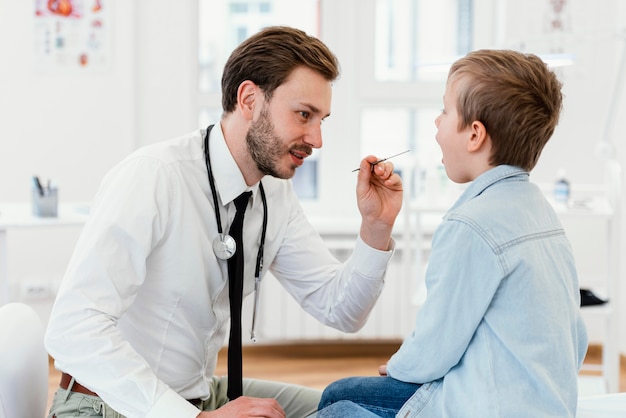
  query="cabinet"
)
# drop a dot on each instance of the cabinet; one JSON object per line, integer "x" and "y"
{"x": 14, "y": 216}
{"x": 603, "y": 216}
{"x": 602, "y": 207}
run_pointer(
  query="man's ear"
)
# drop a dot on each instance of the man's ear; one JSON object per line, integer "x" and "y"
{"x": 478, "y": 138}
{"x": 246, "y": 98}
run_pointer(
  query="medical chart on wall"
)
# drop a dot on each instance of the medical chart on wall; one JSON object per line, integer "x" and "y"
{"x": 71, "y": 34}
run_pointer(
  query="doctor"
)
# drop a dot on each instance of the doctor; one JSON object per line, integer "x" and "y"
{"x": 145, "y": 304}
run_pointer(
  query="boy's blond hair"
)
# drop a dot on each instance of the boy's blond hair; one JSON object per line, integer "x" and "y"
{"x": 515, "y": 95}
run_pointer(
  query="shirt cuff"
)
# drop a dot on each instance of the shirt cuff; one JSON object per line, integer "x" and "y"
{"x": 370, "y": 261}
{"x": 171, "y": 404}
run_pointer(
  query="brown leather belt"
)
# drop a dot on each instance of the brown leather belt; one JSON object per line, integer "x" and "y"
{"x": 78, "y": 388}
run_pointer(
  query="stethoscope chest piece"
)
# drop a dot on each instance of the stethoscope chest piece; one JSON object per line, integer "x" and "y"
{"x": 224, "y": 246}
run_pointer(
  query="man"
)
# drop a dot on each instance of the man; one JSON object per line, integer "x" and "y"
{"x": 143, "y": 309}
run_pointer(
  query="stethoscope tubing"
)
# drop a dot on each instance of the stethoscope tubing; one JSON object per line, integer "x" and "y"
{"x": 259, "y": 257}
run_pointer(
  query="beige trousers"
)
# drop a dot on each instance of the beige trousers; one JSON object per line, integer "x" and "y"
{"x": 297, "y": 401}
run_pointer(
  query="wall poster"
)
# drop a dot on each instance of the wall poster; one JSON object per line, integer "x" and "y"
{"x": 71, "y": 34}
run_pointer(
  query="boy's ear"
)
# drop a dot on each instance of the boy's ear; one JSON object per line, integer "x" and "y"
{"x": 478, "y": 138}
{"x": 246, "y": 98}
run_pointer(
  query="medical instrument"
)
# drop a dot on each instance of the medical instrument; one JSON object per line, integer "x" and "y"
{"x": 224, "y": 246}
{"x": 380, "y": 161}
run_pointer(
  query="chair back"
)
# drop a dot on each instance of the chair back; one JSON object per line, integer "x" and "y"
{"x": 23, "y": 363}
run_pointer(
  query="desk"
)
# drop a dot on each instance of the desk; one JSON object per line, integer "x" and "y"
{"x": 19, "y": 215}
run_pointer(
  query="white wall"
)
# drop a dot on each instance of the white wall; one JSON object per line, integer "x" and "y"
{"x": 72, "y": 127}
{"x": 164, "y": 75}
{"x": 68, "y": 126}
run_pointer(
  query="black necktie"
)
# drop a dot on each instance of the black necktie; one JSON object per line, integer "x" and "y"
{"x": 235, "y": 288}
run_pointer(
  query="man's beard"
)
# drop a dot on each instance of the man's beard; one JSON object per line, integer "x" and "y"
{"x": 267, "y": 149}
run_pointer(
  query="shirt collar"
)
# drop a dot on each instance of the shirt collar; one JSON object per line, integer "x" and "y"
{"x": 228, "y": 178}
{"x": 488, "y": 178}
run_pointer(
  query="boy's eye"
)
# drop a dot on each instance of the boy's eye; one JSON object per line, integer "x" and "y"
{"x": 304, "y": 114}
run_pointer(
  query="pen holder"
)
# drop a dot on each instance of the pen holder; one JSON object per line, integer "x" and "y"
{"x": 45, "y": 202}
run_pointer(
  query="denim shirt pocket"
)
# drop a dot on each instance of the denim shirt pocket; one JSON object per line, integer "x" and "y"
{"x": 419, "y": 400}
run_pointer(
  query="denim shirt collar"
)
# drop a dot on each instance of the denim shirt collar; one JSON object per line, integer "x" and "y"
{"x": 487, "y": 179}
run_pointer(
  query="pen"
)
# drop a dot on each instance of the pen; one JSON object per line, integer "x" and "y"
{"x": 38, "y": 185}
{"x": 384, "y": 159}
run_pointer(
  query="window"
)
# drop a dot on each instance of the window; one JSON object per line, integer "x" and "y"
{"x": 415, "y": 39}
{"x": 415, "y": 43}
{"x": 405, "y": 128}
{"x": 394, "y": 56}
{"x": 224, "y": 25}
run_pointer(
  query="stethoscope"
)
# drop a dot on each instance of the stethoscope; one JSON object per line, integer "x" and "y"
{"x": 224, "y": 246}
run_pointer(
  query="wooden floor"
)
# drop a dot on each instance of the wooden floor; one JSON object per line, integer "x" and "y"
{"x": 317, "y": 364}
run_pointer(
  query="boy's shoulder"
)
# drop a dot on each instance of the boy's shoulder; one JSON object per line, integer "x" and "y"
{"x": 505, "y": 209}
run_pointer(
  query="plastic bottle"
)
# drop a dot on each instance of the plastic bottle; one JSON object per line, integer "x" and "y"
{"x": 561, "y": 187}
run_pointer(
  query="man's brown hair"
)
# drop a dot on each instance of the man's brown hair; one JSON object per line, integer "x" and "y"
{"x": 268, "y": 58}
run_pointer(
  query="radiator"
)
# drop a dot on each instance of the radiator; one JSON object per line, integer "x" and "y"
{"x": 281, "y": 319}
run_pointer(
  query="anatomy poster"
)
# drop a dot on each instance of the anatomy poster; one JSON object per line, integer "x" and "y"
{"x": 71, "y": 34}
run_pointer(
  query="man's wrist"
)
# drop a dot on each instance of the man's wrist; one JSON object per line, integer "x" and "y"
{"x": 171, "y": 404}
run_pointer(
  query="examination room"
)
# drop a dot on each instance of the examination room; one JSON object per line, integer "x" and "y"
{"x": 397, "y": 256}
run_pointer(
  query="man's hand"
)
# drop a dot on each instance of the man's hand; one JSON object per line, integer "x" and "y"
{"x": 245, "y": 406}
{"x": 379, "y": 198}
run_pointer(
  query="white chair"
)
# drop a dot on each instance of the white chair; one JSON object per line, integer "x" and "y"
{"x": 23, "y": 363}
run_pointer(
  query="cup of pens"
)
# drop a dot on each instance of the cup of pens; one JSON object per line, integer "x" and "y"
{"x": 45, "y": 198}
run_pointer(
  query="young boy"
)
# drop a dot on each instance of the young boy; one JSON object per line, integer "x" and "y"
{"x": 500, "y": 333}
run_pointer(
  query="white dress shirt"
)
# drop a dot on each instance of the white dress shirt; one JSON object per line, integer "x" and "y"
{"x": 143, "y": 308}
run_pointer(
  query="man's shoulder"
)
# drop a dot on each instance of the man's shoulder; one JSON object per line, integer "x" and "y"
{"x": 180, "y": 149}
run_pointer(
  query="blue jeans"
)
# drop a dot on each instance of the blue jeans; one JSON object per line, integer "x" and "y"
{"x": 377, "y": 396}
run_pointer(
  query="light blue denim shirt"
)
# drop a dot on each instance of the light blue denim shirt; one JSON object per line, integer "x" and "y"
{"x": 500, "y": 333}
